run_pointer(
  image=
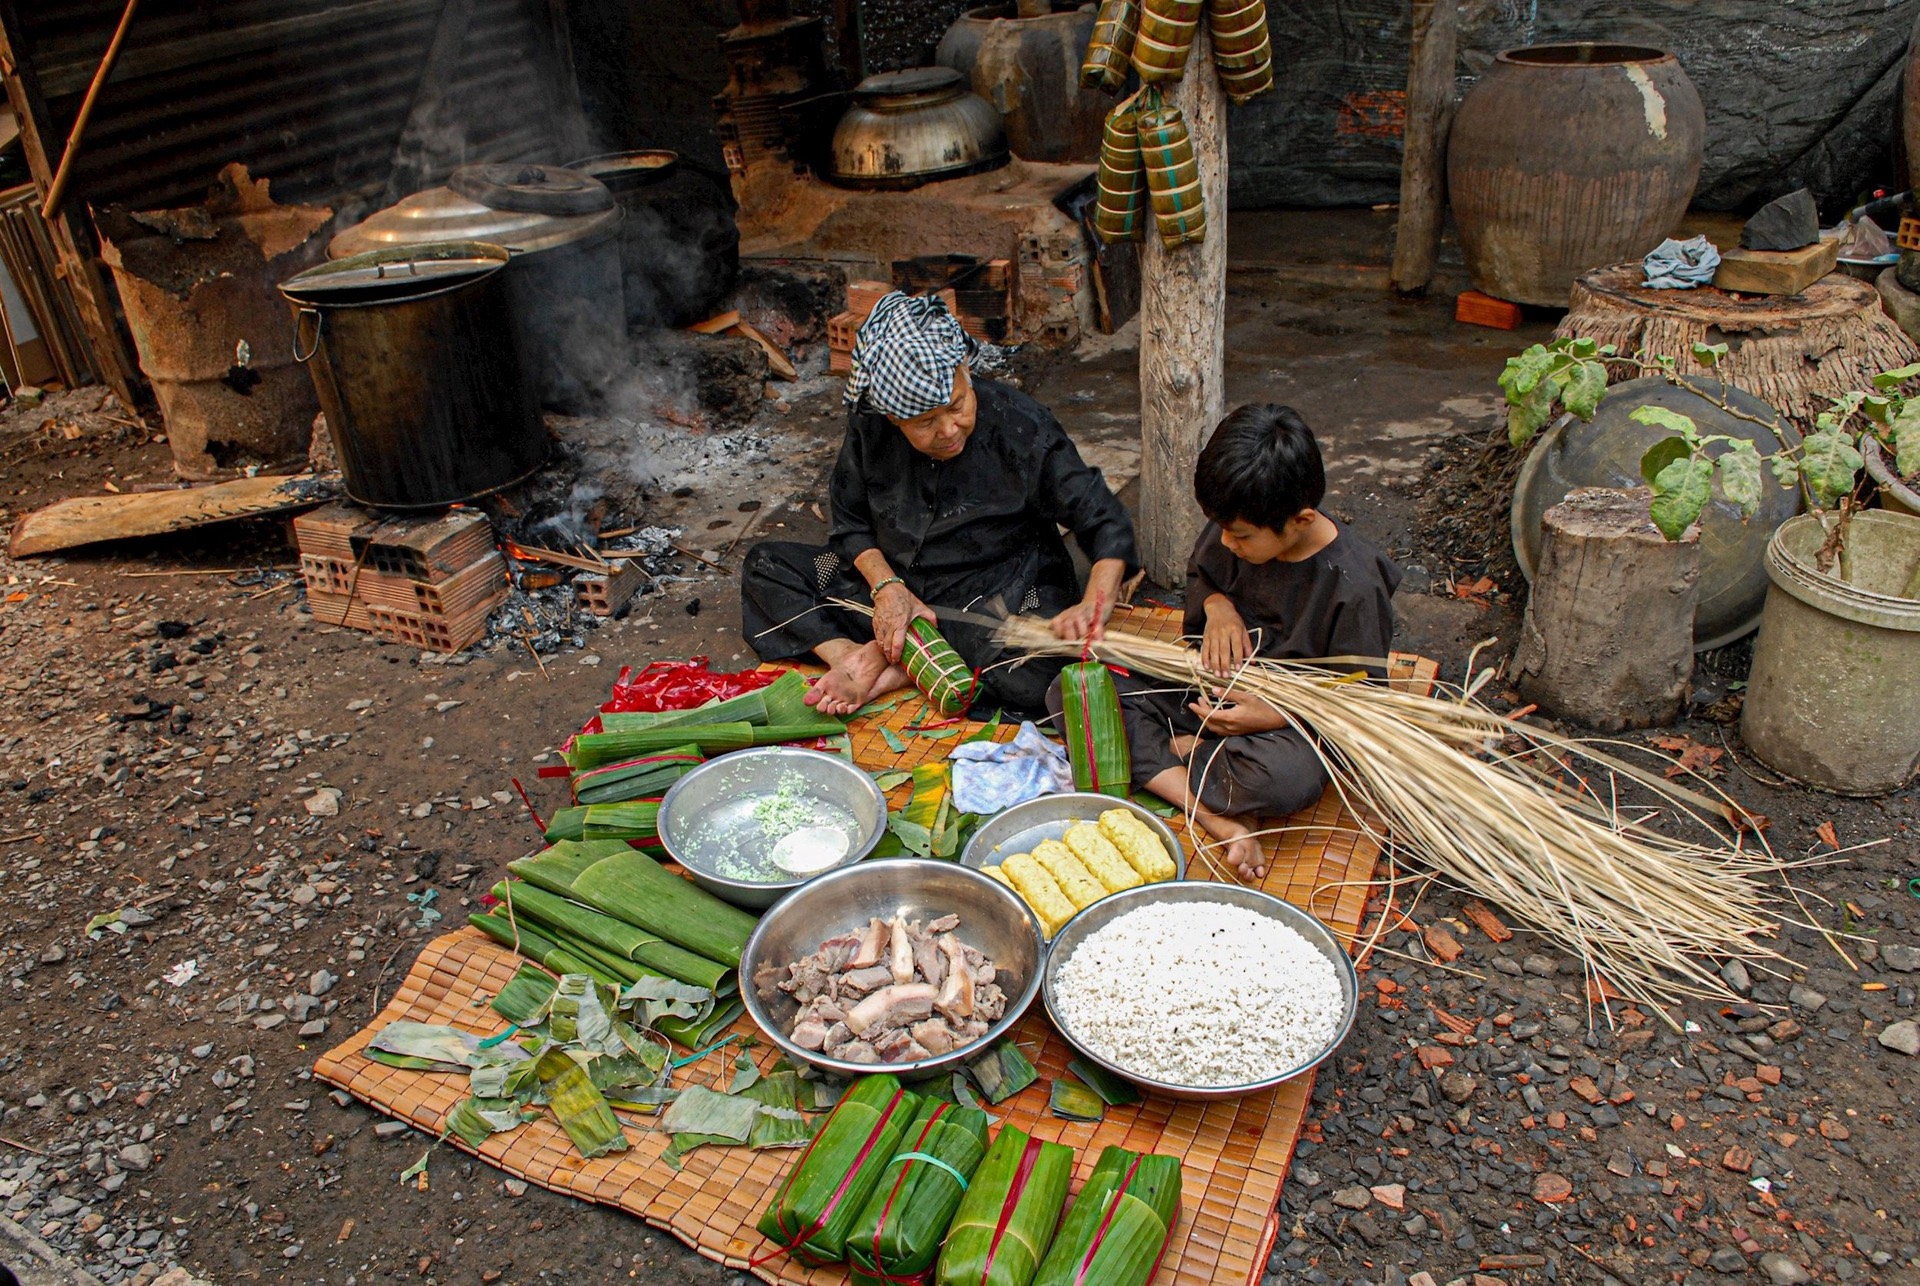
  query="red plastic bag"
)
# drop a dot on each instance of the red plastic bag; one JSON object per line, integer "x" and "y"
{"x": 680, "y": 685}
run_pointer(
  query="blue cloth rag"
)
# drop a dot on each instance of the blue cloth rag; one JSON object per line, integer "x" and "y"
{"x": 1680, "y": 265}
{"x": 989, "y": 776}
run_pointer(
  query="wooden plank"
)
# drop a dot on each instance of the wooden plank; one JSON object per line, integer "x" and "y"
{"x": 1183, "y": 328}
{"x": 88, "y": 520}
{"x": 111, "y": 359}
{"x": 1423, "y": 165}
{"x": 1775, "y": 272}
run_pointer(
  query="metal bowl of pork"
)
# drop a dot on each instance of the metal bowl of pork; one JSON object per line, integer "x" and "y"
{"x": 824, "y": 912}
{"x": 1109, "y": 909}
{"x": 733, "y": 821}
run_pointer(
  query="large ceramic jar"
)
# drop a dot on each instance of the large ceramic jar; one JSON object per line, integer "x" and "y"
{"x": 1029, "y": 68}
{"x": 1565, "y": 158}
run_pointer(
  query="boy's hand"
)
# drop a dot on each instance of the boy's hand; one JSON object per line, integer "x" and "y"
{"x": 1238, "y": 716}
{"x": 1226, "y": 645}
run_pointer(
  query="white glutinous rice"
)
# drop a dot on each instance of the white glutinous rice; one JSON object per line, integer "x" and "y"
{"x": 1200, "y": 994}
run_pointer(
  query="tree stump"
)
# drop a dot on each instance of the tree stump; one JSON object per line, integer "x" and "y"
{"x": 1608, "y": 637}
{"x": 1793, "y": 352}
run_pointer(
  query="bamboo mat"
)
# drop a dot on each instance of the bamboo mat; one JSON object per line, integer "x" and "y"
{"x": 1234, "y": 1155}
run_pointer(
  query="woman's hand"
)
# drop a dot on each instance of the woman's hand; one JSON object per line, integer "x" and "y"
{"x": 1085, "y": 620}
{"x": 1226, "y": 645}
{"x": 894, "y": 609}
{"x": 1229, "y": 715}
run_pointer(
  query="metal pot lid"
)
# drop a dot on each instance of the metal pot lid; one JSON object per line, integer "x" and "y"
{"x": 621, "y": 171}
{"x": 912, "y": 87}
{"x": 441, "y": 214}
{"x": 532, "y": 189}
{"x": 395, "y": 272}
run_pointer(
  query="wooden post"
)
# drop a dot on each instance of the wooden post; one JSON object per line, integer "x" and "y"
{"x": 1608, "y": 637}
{"x": 1423, "y": 165}
{"x": 1183, "y": 329}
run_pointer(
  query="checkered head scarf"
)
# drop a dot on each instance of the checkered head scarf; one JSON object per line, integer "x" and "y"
{"x": 906, "y": 353}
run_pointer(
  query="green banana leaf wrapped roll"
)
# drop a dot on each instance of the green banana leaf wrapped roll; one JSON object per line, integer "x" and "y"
{"x": 644, "y": 778}
{"x": 1092, "y": 728}
{"x": 616, "y": 936}
{"x": 1173, "y": 174}
{"x": 630, "y": 886}
{"x": 1120, "y": 204}
{"x": 936, "y": 669}
{"x": 1110, "y": 49}
{"x": 1164, "y": 38}
{"x": 816, "y": 1205}
{"x": 898, "y": 1235}
{"x": 1006, "y": 1221}
{"x": 1242, "y": 49}
{"x": 1117, "y": 1231}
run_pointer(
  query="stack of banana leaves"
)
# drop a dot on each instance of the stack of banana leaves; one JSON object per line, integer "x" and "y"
{"x": 620, "y": 773}
{"x": 599, "y": 908}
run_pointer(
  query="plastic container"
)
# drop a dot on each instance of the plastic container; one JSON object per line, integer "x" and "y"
{"x": 1831, "y": 699}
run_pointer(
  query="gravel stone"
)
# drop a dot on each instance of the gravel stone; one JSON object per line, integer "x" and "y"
{"x": 1903, "y": 1037}
{"x": 1782, "y": 1270}
{"x": 137, "y": 1156}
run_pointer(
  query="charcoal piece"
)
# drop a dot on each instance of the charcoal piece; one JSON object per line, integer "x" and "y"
{"x": 1786, "y": 223}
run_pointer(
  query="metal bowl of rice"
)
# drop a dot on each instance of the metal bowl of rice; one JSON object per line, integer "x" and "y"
{"x": 1274, "y": 992}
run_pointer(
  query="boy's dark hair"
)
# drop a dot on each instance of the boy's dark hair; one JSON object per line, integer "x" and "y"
{"x": 1260, "y": 466}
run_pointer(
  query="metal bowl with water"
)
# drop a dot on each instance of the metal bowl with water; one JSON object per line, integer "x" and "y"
{"x": 993, "y": 920}
{"x": 709, "y": 822}
{"x": 1108, "y": 909}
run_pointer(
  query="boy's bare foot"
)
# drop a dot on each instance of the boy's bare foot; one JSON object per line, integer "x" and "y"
{"x": 856, "y": 675}
{"x": 1237, "y": 838}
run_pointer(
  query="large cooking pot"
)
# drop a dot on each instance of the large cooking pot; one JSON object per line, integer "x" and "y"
{"x": 1029, "y": 68}
{"x": 1565, "y": 158}
{"x": 562, "y": 227}
{"x": 906, "y": 128}
{"x": 419, "y": 370}
{"x": 679, "y": 245}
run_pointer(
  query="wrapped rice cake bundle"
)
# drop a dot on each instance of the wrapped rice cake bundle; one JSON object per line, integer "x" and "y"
{"x": 1138, "y": 844}
{"x": 816, "y": 1205}
{"x": 1120, "y": 206}
{"x": 1095, "y": 734}
{"x": 1007, "y": 1219}
{"x": 1242, "y": 49}
{"x": 936, "y": 669}
{"x": 897, "y": 1236}
{"x": 1173, "y": 175}
{"x": 1110, "y": 49}
{"x": 1118, "y": 1228}
{"x": 1164, "y": 39}
{"x": 1097, "y": 853}
{"x": 1031, "y": 881}
{"x": 1075, "y": 880}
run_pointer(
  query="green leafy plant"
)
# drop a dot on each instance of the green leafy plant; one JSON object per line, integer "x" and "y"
{"x": 1681, "y": 470}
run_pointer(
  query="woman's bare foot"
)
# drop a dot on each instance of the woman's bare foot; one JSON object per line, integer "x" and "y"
{"x": 856, "y": 674}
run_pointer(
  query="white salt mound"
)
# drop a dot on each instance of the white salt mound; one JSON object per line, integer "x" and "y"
{"x": 1199, "y": 993}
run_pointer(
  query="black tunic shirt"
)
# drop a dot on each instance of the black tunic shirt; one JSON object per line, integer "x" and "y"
{"x": 1336, "y": 603}
{"x": 985, "y": 522}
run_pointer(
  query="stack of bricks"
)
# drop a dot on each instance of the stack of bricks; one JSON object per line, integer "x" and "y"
{"x": 430, "y": 582}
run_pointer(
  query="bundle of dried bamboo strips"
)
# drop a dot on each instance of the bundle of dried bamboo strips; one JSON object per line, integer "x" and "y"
{"x": 1434, "y": 778}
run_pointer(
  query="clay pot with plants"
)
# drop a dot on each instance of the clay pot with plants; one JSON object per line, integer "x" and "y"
{"x": 1830, "y": 699}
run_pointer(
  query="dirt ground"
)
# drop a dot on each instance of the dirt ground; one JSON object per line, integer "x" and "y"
{"x": 172, "y": 709}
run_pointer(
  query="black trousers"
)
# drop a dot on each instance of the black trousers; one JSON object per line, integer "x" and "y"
{"x": 785, "y": 614}
{"x": 1264, "y": 772}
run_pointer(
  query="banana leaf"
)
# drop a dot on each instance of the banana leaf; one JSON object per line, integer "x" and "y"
{"x": 598, "y": 749}
{"x": 475, "y": 1120}
{"x": 1113, "y": 1091}
{"x": 700, "y": 1110}
{"x": 1006, "y": 1221}
{"x": 1119, "y": 1224}
{"x": 1072, "y": 1101}
{"x": 779, "y": 1123}
{"x": 633, "y": 887}
{"x": 903, "y": 1223}
{"x": 581, "y": 1109}
{"x": 446, "y": 1048}
{"x": 580, "y": 957}
{"x": 561, "y": 862}
{"x": 566, "y": 824}
{"x": 1091, "y": 726}
{"x": 644, "y": 778}
{"x": 816, "y": 1204}
{"x": 637, "y": 820}
{"x": 526, "y": 997}
{"x": 1002, "y": 1072}
{"x": 615, "y": 936}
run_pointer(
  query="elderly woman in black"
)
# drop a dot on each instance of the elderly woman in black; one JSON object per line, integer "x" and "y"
{"x": 948, "y": 497}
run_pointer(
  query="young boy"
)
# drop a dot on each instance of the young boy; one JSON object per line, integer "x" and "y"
{"x": 1270, "y": 576}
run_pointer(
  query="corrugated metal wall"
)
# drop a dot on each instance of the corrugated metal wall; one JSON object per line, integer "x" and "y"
{"x": 309, "y": 93}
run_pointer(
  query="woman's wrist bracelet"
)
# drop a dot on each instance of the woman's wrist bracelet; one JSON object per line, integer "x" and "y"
{"x": 891, "y": 580}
